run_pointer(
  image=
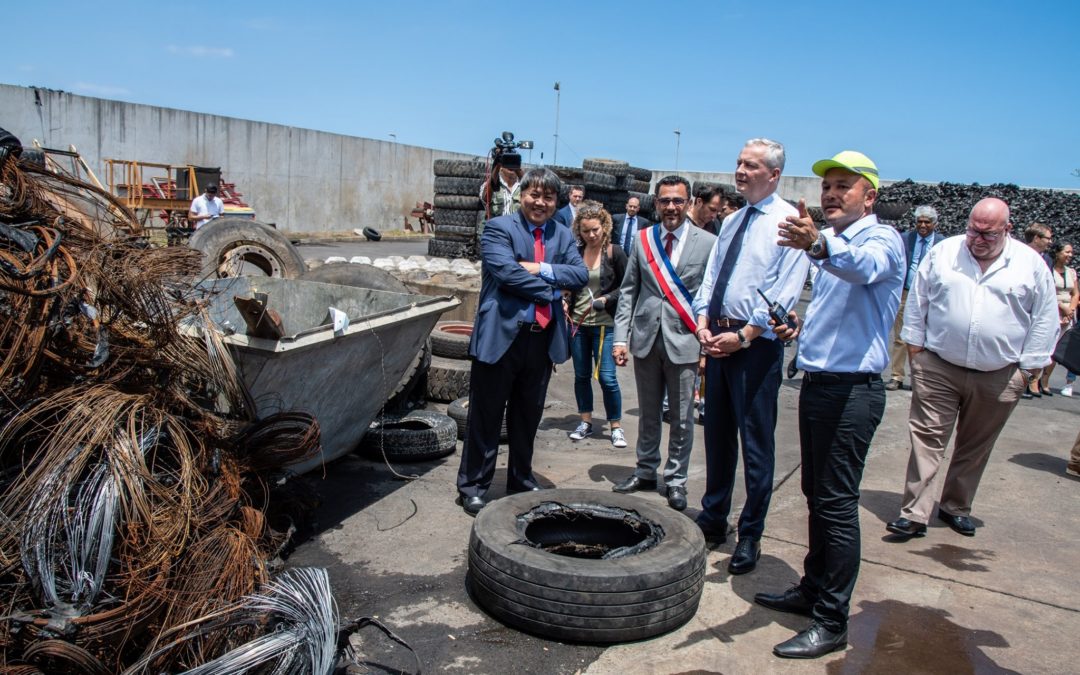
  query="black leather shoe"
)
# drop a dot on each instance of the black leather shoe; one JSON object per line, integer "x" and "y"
{"x": 676, "y": 497}
{"x": 960, "y": 524}
{"x": 633, "y": 484}
{"x": 745, "y": 557}
{"x": 907, "y": 528}
{"x": 471, "y": 505}
{"x": 713, "y": 536}
{"x": 792, "y": 601}
{"x": 815, "y": 641}
{"x": 528, "y": 488}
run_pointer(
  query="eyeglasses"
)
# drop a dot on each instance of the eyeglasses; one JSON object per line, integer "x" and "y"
{"x": 924, "y": 221}
{"x": 986, "y": 236}
{"x": 1043, "y": 236}
{"x": 669, "y": 201}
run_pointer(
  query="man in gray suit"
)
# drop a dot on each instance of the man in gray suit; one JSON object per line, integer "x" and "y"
{"x": 918, "y": 243}
{"x": 655, "y": 322}
{"x": 620, "y": 233}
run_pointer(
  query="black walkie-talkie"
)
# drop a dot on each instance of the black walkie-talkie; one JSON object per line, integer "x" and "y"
{"x": 777, "y": 312}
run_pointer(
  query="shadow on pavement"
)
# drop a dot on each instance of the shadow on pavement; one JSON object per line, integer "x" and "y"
{"x": 958, "y": 558}
{"x": 1040, "y": 461}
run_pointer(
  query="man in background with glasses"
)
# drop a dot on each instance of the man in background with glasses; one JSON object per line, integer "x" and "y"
{"x": 981, "y": 320}
{"x": 655, "y": 322}
{"x": 917, "y": 242}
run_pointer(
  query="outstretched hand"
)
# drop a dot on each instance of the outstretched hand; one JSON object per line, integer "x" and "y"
{"x": 798, "y": 231}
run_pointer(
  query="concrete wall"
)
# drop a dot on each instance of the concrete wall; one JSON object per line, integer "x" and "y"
{"x": 305, "y": 181}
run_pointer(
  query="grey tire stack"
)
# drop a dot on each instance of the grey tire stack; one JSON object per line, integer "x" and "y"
{"x": 458, "y": 209}
{"x": 612, "y": 182}
{"x": 450, "y": 369}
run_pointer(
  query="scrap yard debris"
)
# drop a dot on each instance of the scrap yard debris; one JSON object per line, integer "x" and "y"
{"x": 137, "y": 487}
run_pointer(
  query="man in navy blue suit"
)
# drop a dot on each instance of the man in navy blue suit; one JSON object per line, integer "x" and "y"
{"x": 519, "y": 333}
{"x": 918, "y": 243}
{"x": 566, "y": 214}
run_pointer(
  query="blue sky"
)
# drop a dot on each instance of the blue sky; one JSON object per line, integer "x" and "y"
{"x": 962, "y": 91}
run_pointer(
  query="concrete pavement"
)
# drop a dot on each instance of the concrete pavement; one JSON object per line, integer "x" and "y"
{"x": 1005, "y": 600}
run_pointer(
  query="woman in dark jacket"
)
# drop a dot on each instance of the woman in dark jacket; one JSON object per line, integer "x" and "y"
{"x": 591, "y": 313}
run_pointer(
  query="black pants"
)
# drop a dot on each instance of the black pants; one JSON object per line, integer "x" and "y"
{"x": 740, "y": 400}
{"x": 836, "y": 425}
{"x": 518, "y": 383}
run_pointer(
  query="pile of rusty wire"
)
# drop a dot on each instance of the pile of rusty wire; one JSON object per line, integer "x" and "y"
{"x": 135, "y": 479}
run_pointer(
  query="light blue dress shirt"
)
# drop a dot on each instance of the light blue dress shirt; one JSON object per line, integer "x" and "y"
{"x": 777, "y": 270}
{"x": 855, "y": 299}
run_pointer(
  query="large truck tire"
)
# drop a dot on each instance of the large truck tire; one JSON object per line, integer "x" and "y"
{"x": 240, "y": 247}
{"x": 586, "y": 565}
{"x": 448, "y": 379}
{"x": 419, "y": 436}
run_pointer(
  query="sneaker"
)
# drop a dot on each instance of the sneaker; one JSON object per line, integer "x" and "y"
{"x": 1066, "y": 390}
{"x": 618, "y": 438}
{"x": 584, "y": 430}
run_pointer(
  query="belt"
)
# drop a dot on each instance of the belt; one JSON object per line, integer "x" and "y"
{"x": 726, "y": 323}
{"x": 840, "y": 378}
{"x": 534, "y": 327}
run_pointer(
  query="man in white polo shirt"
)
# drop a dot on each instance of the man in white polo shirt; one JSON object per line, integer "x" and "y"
{"x": 981, "y": 319}
{"x": 205, "y": 207}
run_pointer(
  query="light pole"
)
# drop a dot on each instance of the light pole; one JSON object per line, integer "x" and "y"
{"x": 393, "y": 137}
{"x": 555, "y": 155}
{"x": 678, "y": 137}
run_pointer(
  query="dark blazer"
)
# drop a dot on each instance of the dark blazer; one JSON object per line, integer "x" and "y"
{"x": 912, "y": 236}
{"x": 565, "y": 216}
{"x": 618, "y": 233}
{"x": 612, "y": 270}
{"x": 507, "y": 291}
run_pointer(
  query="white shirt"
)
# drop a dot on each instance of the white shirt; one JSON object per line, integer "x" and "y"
{"x": 983, "y": 320}
{"x": 778, "y": 271}
{"x": 207, "y": 207}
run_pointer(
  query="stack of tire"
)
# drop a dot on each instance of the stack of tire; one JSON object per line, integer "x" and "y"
{"x": 458, "y": 209}
{"x": 448, "y": 374}
{"x": 612, "y": 182}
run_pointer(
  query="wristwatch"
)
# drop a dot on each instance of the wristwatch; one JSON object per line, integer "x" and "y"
{"x": 743, "y": 342}
{"x": 817, "y": 249}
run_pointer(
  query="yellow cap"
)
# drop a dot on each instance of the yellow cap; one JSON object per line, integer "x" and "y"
{"x": 853, "y": 161}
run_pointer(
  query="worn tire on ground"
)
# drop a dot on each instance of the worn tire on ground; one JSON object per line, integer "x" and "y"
{"x": 421, "y": 435}
{"x": 448, "y": 379}
{"x": 583, "y": 599}
{"x": 227, "y": 243}
{"x": 458, "y": 186}
{"x": 456, "y": 217}
{"x": 371, "y": 234}
{"x": 368, "y": 276}
{"x": 445, "y": 248}
{"x": 459, "y": 412}
{"x": 450, "y": 339}
{"x": 462, "y": 202}
{"x": 460, "y": 168}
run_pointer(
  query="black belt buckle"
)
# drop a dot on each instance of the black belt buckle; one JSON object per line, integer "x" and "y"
{"x": 532, "y": 326}
{"x": 840, "y": 378}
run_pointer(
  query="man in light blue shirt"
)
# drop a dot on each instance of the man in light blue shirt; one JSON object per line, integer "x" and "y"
{"x": 743, "y": 368}
{"x": 843, "y": 349}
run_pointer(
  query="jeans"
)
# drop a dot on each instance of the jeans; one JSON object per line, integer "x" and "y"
{"x": 586, "y": 347}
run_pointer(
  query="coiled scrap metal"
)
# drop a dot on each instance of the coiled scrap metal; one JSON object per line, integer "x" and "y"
{"x": 134, "y": 477}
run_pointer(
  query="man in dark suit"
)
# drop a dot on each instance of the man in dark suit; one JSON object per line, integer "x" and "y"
{"x": 655, "y": 323}
{"x": 566, "y": 214}
{"x": 917, "y": 242}
{"x": 708, "y": 200}
{"x": 519, "y": 333}
{"x": 623, "y": 235}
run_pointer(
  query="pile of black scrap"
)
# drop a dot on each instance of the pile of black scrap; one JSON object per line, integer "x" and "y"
{"x": 136, "y": 484}
{"x": 1058, "y": 209}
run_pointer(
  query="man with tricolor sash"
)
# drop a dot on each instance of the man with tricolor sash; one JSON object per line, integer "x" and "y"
{"x": 655, "y": 322}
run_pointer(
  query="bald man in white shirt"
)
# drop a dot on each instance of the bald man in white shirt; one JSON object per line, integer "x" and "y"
{"x": 981, "y": 319}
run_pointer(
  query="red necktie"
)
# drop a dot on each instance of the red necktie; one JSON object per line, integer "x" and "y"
{"x": 543, "y": 312}
{"x": 668, "y": 244}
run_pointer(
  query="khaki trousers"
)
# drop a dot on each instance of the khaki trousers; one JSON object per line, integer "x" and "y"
{"x": 979, "y": 405}
{"x": 1074, "y": 457}
{"x": 898, "y": 348}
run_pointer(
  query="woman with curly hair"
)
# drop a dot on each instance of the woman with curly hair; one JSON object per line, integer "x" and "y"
{"x": 591, "y": 315}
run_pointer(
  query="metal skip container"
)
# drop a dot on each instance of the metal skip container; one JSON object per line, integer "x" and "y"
{"x": 341, "y": 377}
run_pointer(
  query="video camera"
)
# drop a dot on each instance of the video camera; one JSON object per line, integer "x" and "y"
{"x": 503, "y": 155}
